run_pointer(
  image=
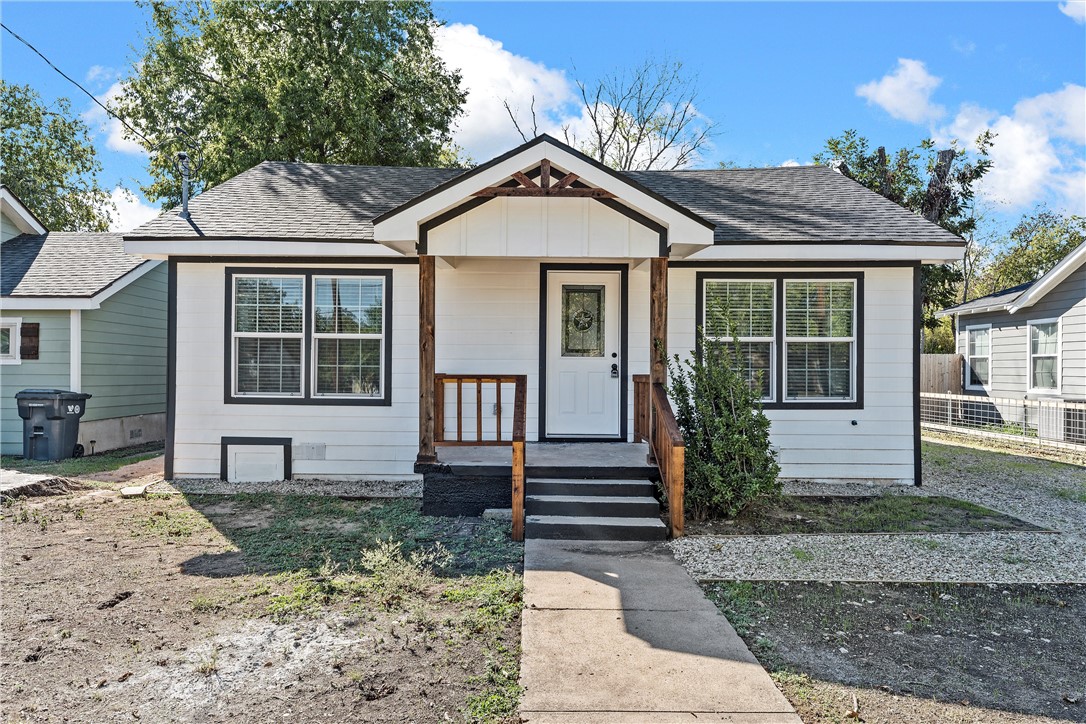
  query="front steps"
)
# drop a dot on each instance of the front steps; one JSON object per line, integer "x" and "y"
{"x": 595, "y": 509}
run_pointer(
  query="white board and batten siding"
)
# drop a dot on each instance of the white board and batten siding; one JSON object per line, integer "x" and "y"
{"x": 824, "y": 445}
{"x": 538, "y": 227}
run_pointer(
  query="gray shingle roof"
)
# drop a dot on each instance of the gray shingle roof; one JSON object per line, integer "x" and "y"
{"x": 791, "y": 204}
{"x": 63, "y": 264}
{"x": 280, "y": 200}
{"x": 803, "y": 204}
{"x": 1000, "y": 298}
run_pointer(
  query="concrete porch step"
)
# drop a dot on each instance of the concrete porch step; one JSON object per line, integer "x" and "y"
{"x": 579, "y": 527}
{"x": 570, "y": 486}
{"x": 602, "y": 506}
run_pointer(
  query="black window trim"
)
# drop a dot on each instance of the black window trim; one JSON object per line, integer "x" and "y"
{"x": 779, "y": 384}
{"x": 307, "y": 397}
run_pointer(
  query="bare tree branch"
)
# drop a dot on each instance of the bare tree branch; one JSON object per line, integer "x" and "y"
{"x": 516, "y": 124}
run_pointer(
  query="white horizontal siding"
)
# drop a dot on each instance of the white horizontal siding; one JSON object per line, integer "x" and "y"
{"x": 824, "y": 444}
{"x": 487, "y": 321}
{"x": 362, "y": 441}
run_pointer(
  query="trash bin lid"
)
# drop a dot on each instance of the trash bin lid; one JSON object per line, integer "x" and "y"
{"x": 34, "y": 394}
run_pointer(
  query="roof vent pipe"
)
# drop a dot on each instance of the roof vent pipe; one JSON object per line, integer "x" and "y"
{"x": 185, "y": 168}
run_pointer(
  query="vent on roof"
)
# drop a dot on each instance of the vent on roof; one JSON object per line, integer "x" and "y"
{"x": 184, "y": 167}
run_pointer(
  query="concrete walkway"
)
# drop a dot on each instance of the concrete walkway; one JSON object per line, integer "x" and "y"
{"x": 618, "y": 632}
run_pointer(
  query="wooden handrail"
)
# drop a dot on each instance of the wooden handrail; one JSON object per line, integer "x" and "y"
{"x": 517, "y": 436}
{"x": 669, "y": 449}
{"x": 642, "y": 410}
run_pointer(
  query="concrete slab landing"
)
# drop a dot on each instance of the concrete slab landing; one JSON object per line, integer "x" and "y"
{"x": 618, "y": 632}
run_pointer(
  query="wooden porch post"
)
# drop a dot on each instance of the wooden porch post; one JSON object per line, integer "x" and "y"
{"x": 657, "y": 335}
{"x": 427, "y": 454}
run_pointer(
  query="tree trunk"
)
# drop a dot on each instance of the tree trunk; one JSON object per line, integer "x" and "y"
{"x": 938, "y": 194}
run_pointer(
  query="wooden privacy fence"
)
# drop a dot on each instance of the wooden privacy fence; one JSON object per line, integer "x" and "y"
{"x": 941, "y": 373}
{"x": 481, "y": 434}
{"x": 654, "y": 422}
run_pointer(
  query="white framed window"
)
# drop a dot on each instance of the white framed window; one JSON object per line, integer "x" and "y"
{"x": 268, "y": 335}
{"x": 348, "y": 336}
{"x": 10, "y": 340}
{"x": 1043, "y": 342}
{"x": 820, "y": 339}
{"x": 978, "y": 356}
{"x": 751, "y": 307}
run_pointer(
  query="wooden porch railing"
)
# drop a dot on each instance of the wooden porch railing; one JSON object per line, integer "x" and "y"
{"x": 669, "y": 450}
{"x": 481, "y": 437}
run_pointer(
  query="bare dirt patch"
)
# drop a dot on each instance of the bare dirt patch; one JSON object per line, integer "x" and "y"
{"x": 165, "y": 609}
{"x": 917, "y": 652}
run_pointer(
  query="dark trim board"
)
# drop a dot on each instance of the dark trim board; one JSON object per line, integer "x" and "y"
{"x": 725, "y": 265}
{"x": 918, "y": 321}
{"x": 779, "y": 402}
{"x": 171, "y": 367}
{"x": 624, "y": 344}
{"x": 284, "y": 442}
{"x": 274, "y": 260}
{"x": 307, "y": 398}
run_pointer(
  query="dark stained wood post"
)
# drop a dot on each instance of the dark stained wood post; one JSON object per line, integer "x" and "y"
{"x": 658, "y": 320}
{"x": 427, "y": 453}
{"x": 657, "y": 333}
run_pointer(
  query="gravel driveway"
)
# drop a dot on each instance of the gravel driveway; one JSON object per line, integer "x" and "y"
{"x": 1044, "y": 493}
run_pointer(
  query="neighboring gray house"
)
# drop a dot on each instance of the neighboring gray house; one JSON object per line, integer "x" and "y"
{"x": 78, "y": 313}
{"x": 1029, "y": 341}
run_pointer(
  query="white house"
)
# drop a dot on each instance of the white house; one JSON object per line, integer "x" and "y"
{"x": 312, "y": 308}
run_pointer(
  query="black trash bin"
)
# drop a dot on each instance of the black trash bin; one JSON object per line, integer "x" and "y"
{"x": 51, "y": 423}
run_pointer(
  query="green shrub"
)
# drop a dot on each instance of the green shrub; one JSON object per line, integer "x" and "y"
{"x": 729, "y": 461}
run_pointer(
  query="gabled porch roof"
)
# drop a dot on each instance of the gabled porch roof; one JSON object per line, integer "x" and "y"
{"x": 573, "y": 174}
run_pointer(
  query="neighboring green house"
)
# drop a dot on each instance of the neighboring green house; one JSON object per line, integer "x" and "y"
{"x": 78, "y": 313}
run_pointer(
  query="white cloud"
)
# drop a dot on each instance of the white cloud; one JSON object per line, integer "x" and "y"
{"x": 963, "y": 47}
{"x": 131, "y": 210}
{"x": 1038, "y": 150}
{"x": 101, "y": 74}
{"x": 110, "y": 127}
{"x": 905, "y": 93}
{"x": 1074, "y": 9}
{"x": 791, "y": 162}
{"x": 491, "y": 74}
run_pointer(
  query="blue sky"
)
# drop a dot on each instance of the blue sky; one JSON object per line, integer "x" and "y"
{"x": 777, "y": 78}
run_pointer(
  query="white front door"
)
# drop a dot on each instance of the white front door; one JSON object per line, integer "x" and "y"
{"x": 583, "y": 347}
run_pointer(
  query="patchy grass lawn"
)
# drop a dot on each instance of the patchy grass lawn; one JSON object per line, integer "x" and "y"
{"x": 861, "y": 514}
{"x": 86, "y": 465}
{"x": 917, "y": 652}
{"x": 256, "y": 608}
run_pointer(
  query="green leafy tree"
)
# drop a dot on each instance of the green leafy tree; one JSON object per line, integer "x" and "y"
{"x": 255, "y": 80}
{"x": 1036, "y": 244}
{"x": 48, "y": 160}
{"x": 927, "y": 182}
{"x": 730, "y": 463}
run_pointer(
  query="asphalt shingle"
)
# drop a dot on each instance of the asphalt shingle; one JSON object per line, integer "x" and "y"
{"x": 63, "y": 264}
{"x": 805, "y": 204}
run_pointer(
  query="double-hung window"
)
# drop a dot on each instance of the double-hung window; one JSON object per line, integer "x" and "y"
{"x": 9, "y": 341}
{"x": 819, "y": 339}
{"x": 309, "y": 336}
{"x": 749, "y": 307}
{"x": 978, "y": 356}
{"x": 798, "y": 333}
{"x": 1044, "y": 355}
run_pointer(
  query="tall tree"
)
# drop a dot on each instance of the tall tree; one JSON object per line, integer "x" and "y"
{"x": 927, "y": 182}
{"x": 254, "y": 80}
{"x": 48, "y": 161}
{"x": 639, "y": 118}
{"x": 1038, "y": 242}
